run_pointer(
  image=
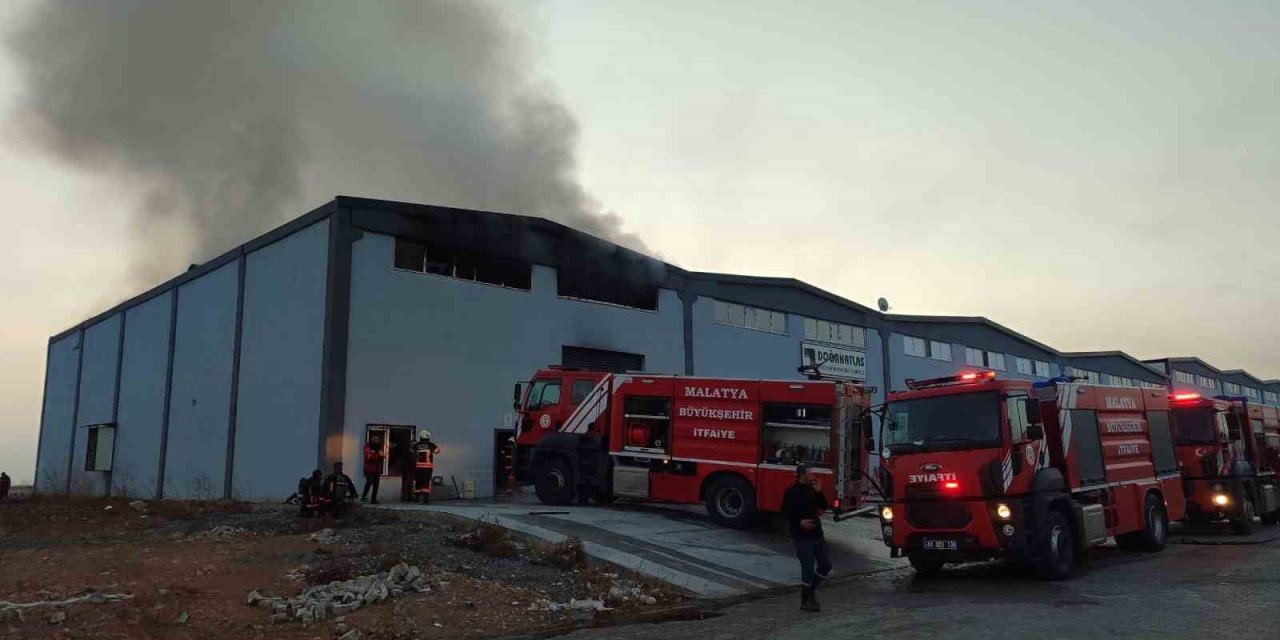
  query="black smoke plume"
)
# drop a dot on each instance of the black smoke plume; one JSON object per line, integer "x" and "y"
{"x": 229, "y": 117}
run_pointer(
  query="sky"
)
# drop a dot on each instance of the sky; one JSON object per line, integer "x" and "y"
{"x": 1095, "y": 175}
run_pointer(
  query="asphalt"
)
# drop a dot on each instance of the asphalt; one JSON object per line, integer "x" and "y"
{"x": 1219, "y": 533}
{"x": 1185, "y": 591}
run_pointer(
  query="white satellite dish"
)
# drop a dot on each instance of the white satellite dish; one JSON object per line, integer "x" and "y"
{"x": 883, "y": 304}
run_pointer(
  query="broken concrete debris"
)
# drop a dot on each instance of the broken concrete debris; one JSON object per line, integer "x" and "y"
{"x": 341, "y": 597}
{"x": 325, "y": 536}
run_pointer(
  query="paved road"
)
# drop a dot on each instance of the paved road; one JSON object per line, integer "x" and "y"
{"x": 1186, "y": 591}
{"x": 681, "y": 546}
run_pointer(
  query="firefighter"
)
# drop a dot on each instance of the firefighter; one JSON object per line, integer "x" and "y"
{"x": 372, "y": 468}
{"x": 310, "y": 494}
{"x": 403, "y": 453}
{"x": 424, "y": 466}
{"x": 804, "y": 504}
{"x": 340, "y": 489}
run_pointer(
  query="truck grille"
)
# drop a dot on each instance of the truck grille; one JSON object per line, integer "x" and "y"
{"x": 938, "y": 515}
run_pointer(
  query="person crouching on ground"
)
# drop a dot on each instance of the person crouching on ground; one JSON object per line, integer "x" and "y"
{"x": 340, "y": 489}
{"x": 804, "y": 505}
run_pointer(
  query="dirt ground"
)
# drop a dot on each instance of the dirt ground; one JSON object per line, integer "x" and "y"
{"x": 186, "y": 569}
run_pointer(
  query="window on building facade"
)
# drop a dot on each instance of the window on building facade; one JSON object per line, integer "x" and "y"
{"x": 1231, "y": 388}
{"x": 921, "y": 348}
{"x": 1271, "y": 397}
{"x": 915, "y": 347}
{"x": 100, "y": 447}
{"x": 740, "y": 315}
{"x": 1042, "y": 369}
{"x": 1120, "y": 381}
{"x": 461, "y": 264}
{"x": 995, "y": 361}
{"x": 1206, "y": 382}
{"x": 940, "y": 350}
{"x": 835, "y": 332}
{"x": 595, "y": 284}
{"x": 1023, "y": 365}
{"x": 1183, "y": 376}
{"x": 973, "y": 357}
{"x": 1251, "y": 392}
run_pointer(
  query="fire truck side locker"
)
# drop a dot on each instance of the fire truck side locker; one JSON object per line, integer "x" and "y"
{"x": 732, "y": 445}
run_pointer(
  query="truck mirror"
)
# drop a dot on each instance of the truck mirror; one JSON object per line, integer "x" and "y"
{"x": 1035, "y": 431}
{"x": 515, "y": 402}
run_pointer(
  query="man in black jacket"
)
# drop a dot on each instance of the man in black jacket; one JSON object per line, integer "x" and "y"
{"x": 341, "y": 489}
{"x": 804, "y": 505}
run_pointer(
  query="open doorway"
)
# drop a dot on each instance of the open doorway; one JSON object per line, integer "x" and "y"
{"x": 396, "y": 440}
{"x": 504, "y": 452}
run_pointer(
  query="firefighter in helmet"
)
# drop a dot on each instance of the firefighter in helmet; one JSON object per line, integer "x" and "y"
{"x": 424, "y": 466}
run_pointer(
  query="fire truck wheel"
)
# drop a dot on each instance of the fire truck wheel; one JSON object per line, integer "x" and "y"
{"x": 1244, "y": 525}
{"x": 1152, "y": 538}
{"x": 731, "y": 502}
{"x": 925, "y": 567}
{"x": 1057, "y": 547}
{"x": 552, "y": 482}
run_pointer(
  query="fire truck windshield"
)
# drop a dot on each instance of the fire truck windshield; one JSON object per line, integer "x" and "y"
{"x": 1195, "y": 426}
{"x": 967, "y": 420}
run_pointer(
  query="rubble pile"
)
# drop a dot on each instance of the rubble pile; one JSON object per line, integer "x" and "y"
{"x": 221, "y": 532}
{"x": 625, "y": 593}
{"x": 14, "y": 610}
{"x": 343, "y": 597}
{"x": 325, "y": 536}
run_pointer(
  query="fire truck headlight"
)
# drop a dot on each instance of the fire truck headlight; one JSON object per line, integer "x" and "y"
{"x": 887, "y": 530}
{"x": 1003, "y": 511}
{"x": 1221, "y": 499}
{"x": 1007, "y": 530}
{"x": 886, "y": 514}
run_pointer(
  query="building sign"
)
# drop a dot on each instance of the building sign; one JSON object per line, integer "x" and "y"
{"x": 836, "y": 362}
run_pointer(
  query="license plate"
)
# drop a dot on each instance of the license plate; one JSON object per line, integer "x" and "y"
{"x": 940, "y": 545}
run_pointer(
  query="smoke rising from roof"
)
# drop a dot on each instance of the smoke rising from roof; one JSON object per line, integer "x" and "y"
{"x": 230, "y": 117}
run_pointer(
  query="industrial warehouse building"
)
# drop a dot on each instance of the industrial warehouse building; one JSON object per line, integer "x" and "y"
{"x": 364, "y": 316}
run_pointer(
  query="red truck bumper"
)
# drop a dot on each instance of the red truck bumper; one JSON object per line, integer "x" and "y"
{"x": 955, "y": 530}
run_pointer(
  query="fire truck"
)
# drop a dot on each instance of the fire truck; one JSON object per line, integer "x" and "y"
{"x": 1229, "y": 450}
{"x": 732, "y": 445}
{"x": 979, "y": 468}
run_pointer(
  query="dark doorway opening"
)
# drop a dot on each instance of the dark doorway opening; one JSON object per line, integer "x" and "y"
{"x": 601, "y": 359}
{"x": 504, "y": 457}
{"x": 395, "y": 439}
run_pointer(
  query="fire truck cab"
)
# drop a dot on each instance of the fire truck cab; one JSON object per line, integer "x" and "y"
{"x": 542, "y": 404}
{"x": 1229, "y": 451}
{"x": 977, "y": 468}
{"x": 732, "y": 445}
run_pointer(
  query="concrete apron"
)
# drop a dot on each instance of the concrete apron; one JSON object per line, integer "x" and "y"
{"x": 681, "y": 547}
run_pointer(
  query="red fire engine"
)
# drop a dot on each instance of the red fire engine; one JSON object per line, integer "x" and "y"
{"x": 978, "y": 468}
{"x": 731, "y": 444}
{"x": 1229, "y": 451}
